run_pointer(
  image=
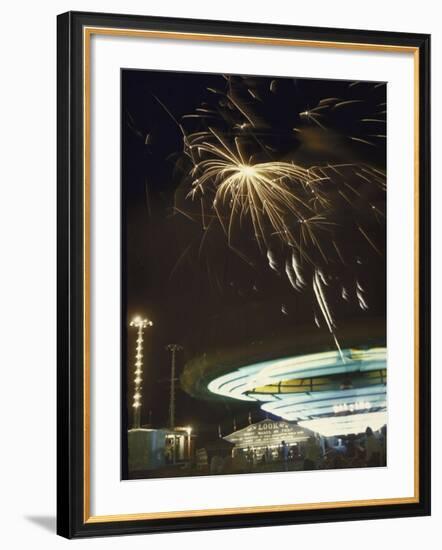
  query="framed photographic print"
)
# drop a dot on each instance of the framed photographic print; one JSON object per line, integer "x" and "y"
{"x": 243, "y": 274}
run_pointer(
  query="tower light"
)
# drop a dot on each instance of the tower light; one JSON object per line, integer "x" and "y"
{"x": 140, "y": 324}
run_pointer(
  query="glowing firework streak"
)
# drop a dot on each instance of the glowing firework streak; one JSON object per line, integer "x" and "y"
{"x": 318, "y": 281}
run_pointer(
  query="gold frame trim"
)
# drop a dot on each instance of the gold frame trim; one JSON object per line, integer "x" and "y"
{"x": 87, "y": 34}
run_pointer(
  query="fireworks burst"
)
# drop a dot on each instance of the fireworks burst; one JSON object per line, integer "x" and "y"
{"x": 272, "y": 194}
{"x": 253, "y": 186}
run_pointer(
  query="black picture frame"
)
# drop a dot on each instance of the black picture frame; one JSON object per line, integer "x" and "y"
{"x": 72, "y": 516}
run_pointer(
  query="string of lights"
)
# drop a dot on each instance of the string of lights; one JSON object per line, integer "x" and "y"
{"x": 140, "y": 324}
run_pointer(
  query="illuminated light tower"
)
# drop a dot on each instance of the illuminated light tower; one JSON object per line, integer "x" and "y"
{"x": 140, "y": 324}
{"x": 173, "y": 348}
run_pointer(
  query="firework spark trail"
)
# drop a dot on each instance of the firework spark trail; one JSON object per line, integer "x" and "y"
{"x": 369, "y": 240}
{"x": 360, "y": 296}
{"x": 313, "y": 116}
{"x": 322, "y": 302}
{"x": 272, "y": 261}
{"x": 318, "y": 281}
{"x": 297, "y": 270}
{"x": 361, "y": 140}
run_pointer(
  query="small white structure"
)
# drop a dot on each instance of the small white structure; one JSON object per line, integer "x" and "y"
{"x": 146, "y": 449}
{"x": 150, "y": 449}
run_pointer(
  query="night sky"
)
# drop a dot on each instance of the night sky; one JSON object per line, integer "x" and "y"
{"x": 198, "y": 291}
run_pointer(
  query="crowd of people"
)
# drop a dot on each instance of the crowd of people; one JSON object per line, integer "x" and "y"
{"x": 365, "y": 450}
{"x": 369, "y": 450}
